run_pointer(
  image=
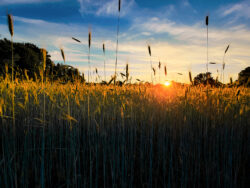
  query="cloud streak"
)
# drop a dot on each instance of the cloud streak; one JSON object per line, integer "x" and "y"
{"x": 105, "y": 7}
{"x": 238, "y": 10}
{"x": 9, "y": 2}
{"x": 193, "y": 34}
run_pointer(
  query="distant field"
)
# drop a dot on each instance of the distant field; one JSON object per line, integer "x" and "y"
{"x": 129, "y": 136}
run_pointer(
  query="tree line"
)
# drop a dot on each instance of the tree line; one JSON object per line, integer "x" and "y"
{"x": 28, "y": 64}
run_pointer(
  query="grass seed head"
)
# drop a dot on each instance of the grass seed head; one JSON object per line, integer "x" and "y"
{"x": 119, "y": 5}
{"x": 111, "y": 80}
{"x": 238, "y": 93}
{"x": 123, "y": 75}
{"x": 89, "y": 39}
{"x": 207, "y": 20}
{"x": 10, "y": 24}
{"x": 154, "y": 71}
{"x": 44, "y": 53}
{"x": 227, "y": 48}
{"x": 190, "y": 77}
{"x": 6, "y": 68}
{"x": 165, "y": 70}
{"x": 103, "y": 48}
{"x": 149, "y": 50}
{"x": 76, "y": 40}
{"x": 127, "y": 72}
{"x": 63, "y": 56}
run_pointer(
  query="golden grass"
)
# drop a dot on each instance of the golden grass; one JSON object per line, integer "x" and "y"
{"x": 103, "y": 121}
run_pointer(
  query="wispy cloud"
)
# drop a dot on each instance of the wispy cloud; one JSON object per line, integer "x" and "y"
{"x": 238, "y": 10}
{"x": 8, "y": 2}
{"x": 105, "y": 7}
{"x": 184, "y": 49}
{"x": 193, "y": 34}
{"x": 185, "y": 4}
{"x": 30, "y": 21}
{"x": 111, "y": 7}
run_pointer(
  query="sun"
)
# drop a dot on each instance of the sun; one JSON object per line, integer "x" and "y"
{"x": 167, "y": 83}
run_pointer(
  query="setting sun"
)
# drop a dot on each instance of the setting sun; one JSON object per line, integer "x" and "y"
{"x": 167, "y": 83}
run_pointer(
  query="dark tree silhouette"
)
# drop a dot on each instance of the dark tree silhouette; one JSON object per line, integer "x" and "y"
{"x": 244, "y": 77}
{"x": 28, "y": 62}
{"x": 206, "y": 79}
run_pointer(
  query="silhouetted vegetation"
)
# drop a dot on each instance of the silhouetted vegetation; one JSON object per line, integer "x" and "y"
{"x": 28, "y": 63}
{"x": 244, "y": 77}
{"x": 206, "y": 79}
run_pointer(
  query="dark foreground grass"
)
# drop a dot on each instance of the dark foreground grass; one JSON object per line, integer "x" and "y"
{"x": 134, "y": 137}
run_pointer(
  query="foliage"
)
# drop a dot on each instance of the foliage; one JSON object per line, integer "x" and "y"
{"x": 206, "y": 79}
{"x": 28, "y": 63}
{"x": 244, "y": 77}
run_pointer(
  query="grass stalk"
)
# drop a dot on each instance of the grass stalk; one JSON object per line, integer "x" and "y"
{"x": 151, "y": 68}
{"x": 89, "y": 42}
{"x": 117, "y": 38}
{"x": 44, "y": 54}
{"x": 11, "y": 30}
{"x": 104, "y": 66}
{"x": 190, "y": 77}
{"x": 223, "y": 63}
{"x": 165, "y": 71}
{"x": 207, "y": 22}
{"x": 159, "y": 66}
{"x": 127, "y": 73}
{"x": 63, "y": 55}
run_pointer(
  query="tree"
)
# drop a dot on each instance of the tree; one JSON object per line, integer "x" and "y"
{"x": 244, "y": 77}
{"x": 28, "y": 62}
{"x": 206, "y": 79}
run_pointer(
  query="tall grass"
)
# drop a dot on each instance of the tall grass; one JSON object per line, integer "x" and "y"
{"x": 75, "y": 39}
{"x": 11, "y": 30}
{"x": 165, "y": 71}
{"x": 128, "y": 136}
{"x": 223, "y": 63}
{"x": 151, "y": 68}
{"x": 43, "y": 74}
{"x": 117, "y": 38}
{"x": 207, "y": 23}
{"x": 127, "y": 73}
{"x": 104, "y": 63}
{"x": 89, "y": 45}
{"x": 148, "y": 137}
{"x": 159, "y": 67}
{"x": 63, "y": 55}
{"x": 190, "y": 77}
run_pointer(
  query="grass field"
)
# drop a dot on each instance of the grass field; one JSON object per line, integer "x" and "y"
{"x": 130, "y": 136}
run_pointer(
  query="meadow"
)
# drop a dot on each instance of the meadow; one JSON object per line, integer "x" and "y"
{"x": 136, "y": 135}
{"x": 83, "y": 134}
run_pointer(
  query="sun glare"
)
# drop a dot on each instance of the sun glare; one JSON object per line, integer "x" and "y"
{"x": 167, "y": 83}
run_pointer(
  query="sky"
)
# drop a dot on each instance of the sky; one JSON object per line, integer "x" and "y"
{"x": 175, "y": 30}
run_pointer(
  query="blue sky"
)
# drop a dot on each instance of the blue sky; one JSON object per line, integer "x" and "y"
{"x": 175, "y": 30}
